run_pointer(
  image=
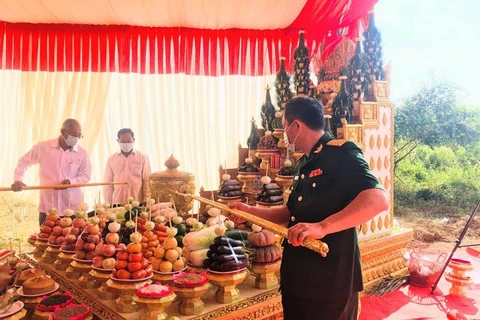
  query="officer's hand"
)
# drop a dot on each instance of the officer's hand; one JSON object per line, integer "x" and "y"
{"x": 18, "y": 186}
{"x": 298, "y": 233}
{"x": 242, "y": 207}
{"x": 66, "y": 181}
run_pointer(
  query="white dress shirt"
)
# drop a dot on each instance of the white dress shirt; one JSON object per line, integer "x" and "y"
{"x": 57, "y": 165}
{"x": 135, "y": 169}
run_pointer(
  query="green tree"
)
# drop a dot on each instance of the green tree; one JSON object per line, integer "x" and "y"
{"x": 431, "y": 117}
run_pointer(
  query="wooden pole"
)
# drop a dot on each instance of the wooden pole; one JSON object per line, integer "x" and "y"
{"x": 64, "y": 186}
{"x": 309, "y": 242}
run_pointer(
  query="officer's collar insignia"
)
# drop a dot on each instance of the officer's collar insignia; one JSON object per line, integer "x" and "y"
{"x": 320, "y": 147}
{"x": 315, "y": 173}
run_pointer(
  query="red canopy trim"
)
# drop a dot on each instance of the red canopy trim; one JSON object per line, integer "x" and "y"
{"x": 131, "y": 49}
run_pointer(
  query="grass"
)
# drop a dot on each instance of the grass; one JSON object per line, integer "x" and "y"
{"x": 14, "y": 234}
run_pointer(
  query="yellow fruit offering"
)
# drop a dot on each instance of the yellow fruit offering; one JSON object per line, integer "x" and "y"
{"x": 170, "y": 243}
{"x": 171, "y": 255}
{"x": 159, "y": 252}
{"x": 166, "y": 266}
{"x": 178, "y": 265}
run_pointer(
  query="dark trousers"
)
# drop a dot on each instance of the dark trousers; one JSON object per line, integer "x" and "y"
{"x": 42, "y": 216}
{"x": 295, "y": 308}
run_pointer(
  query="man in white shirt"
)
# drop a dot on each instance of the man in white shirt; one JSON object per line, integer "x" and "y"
{"x": 127, "y": 165}
{"x": 61, "y": 161}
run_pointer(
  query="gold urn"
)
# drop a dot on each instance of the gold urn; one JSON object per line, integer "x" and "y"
{"x": 163, "y": 185}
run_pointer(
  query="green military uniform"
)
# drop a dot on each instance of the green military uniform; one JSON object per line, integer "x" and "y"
{"x": 324, "y": 183}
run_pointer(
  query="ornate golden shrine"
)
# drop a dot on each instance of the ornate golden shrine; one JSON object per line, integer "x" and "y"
{"x": 381, "y": 244}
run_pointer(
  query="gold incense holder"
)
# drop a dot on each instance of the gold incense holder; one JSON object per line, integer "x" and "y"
{"x": 85, "y": 281}
{"x": 458, "y": 278}
{"x": 125, "y": 291}
{"x": 266, "y": 156}
{"x": 227, "y": 291}
{"x": 63, "y": 260}
{"x": 154, "y": 308}
{"x": 266, "y": 274}
{"x": 190, "y": 299}
{"x": 247, "y": 180}
{"x": 40, "y": 247}
{"x": 50, "y": 254}
{"x": 278, "y": 133}
{"x": 101, "y": 278}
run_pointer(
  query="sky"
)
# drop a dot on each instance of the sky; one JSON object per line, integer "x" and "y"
{"x": 424, "y": 37}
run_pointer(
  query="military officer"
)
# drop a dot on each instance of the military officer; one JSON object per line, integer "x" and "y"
{"x": 333, "y": 192}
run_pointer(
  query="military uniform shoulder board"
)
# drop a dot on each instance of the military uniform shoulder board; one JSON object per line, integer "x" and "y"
{"x": 336, "y": 142}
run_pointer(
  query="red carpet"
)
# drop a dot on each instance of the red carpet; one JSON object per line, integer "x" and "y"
{"x": 414, "y": 303}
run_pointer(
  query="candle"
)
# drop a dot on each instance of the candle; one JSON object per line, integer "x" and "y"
{"x": 69, "y": 201}
{"x": 53, "y": 199}
{"x": 225, "y": 166}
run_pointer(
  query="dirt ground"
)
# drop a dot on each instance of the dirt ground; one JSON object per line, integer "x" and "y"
{"x": 430, "y": 226}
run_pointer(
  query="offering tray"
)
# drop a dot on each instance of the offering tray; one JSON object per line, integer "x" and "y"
{"x": 64, "y": 259}
{"x": 227, "y": 282}
{"x": 154, "y": 308}
{"x": 125, "y": 291}
{"x": 101, "y": 276}
{"x": 266, "y": 274}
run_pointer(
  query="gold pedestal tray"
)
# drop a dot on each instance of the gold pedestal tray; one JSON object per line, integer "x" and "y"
{"x": 101, "y": 277}
{"x": 50, "y": 254}
{"x": 20, "y": 315}
{"x": 284, "y": 182}
{"x": 30, "y": 303}
{"x": 266, "y": 156}
{"x": 227, "y": 201}
{"x": 190, "y": 299}
{"x": 247, "y": 180}
{"x": 163, "y": 278}
{"x": 63, "y": 260}
{"x": 227, "y": 282}
{"x": 195, "y": 269}
{"x": 154, "y": 308}
{"x": 83, "y": 268}
{"x": 266, "y": 274}
{"x": 125, "y": 290}
{"x": 40, "y": 247}
{"x": 41, "y": 315}
{"x": 278, "y": 133}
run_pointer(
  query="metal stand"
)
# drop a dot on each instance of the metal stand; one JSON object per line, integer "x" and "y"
{"x": 458, "y": 244}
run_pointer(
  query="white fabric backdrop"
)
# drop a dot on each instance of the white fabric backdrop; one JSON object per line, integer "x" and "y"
{"x": 201, "y": 120}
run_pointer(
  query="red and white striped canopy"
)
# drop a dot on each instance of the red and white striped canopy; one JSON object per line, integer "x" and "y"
{"x": 171, "y": 36}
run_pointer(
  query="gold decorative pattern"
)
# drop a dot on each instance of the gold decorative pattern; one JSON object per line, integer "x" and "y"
{"x": 369, "y": 114}
{"x": 386, "y": 163}
{"x": 379, "y": 163}
{"x": 373, "y": 225}
{"x": 380, "y": 223}
{"x": 386, "y": 141}
{"x": 387, "y": 221}
{"x": 386, "y": 183}
{"x": 372, "y": 163}
{"x": 384, "y": 120}
{"x": 364, "y": 228}
{"x": 359, "y": 228}
{"x": 379, "y": 142}
{"x": 371, "y": 143}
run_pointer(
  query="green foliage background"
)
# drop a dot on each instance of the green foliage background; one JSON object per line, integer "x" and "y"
{"x": 437, "y": 150}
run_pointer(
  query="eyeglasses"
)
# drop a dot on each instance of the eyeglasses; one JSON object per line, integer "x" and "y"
{"x": 76, "y": 135}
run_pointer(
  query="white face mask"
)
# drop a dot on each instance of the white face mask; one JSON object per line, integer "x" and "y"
{"x": 290, "y": 146}
{"x": 126, "y": 147}
{"x": 71, "y": 140}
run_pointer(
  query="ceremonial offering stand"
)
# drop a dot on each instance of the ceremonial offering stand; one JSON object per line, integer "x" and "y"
{"x": 458, "y": 278}
{"x": 125, "y": 289}
{"x": 64, "y": 259}
{"x": 40, "y": 247}
{"x": 154, "y": 308}
{"x": 83, "y": 268}
{"x": 50, "y": 254}
{"x": 101, "y": 276}
{"x": 190, "y": 298}
{"x": 266, "y": 274}
{"x": 227, "y": 282}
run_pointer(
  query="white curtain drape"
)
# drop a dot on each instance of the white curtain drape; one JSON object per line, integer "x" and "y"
{"x": 201, "y": 120}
